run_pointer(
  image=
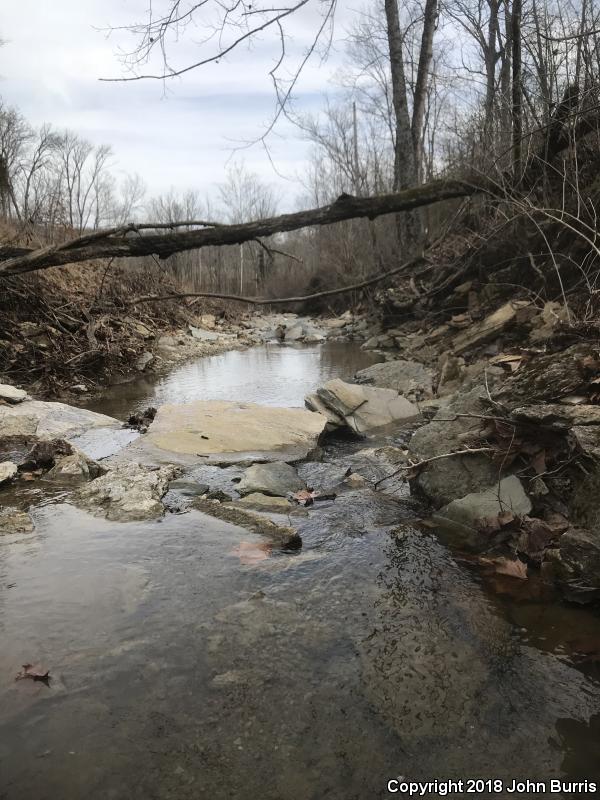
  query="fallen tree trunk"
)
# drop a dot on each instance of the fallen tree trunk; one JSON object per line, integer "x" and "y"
{"x": 129, "y": 242}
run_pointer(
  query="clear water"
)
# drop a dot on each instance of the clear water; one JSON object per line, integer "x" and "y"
{"x": 190, "y": 660}
{"x": 273, "y": 375}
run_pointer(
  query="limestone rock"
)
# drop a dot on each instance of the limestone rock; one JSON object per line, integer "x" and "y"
{"x": 405, "y": 377}
{"x": 557, "y": 416}
{"x": 11, "y": 394}
{"x": 363, "y": 407}
{"x": 263, "y": 502}
{"x": 232, "y": 513}
{"x": 127, "y": 492}
{"x": 234, "y": 432}
{"x": 188, "y": 488}
{"x": 460, "y": 518}
{"x": 14, "y": 521}
{"x": 446, "y": 479}
{"x": 144, "y": 360}
{"x": 276, "y": 479}
{"x": 8, "y": 471}
{"x": 492, "y": 325}
{"x": 51, "y": 419}
{"x": 74, "y": 467}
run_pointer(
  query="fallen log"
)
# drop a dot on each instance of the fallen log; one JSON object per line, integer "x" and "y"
{"x": 130, "y": 242}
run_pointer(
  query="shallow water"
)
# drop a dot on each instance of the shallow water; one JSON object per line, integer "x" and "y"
{"x": 188, "y": 660}
{"x": 273, "y": 375}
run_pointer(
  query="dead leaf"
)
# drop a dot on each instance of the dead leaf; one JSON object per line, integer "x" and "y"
{"x": 505, "y": 518}
{"x": 304, "y": 497}
{"x": 34, "y": 672}
{"x": 250, "y": 553}
{"x": 510, "y": 568}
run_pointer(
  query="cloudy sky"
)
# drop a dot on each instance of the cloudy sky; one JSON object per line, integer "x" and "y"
{"x": 177, "y": 135}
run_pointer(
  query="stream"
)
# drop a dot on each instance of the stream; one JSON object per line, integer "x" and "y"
{"x": 189, "y": 660}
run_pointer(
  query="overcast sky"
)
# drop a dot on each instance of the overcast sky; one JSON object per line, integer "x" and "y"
{"x": 56, "y": 52}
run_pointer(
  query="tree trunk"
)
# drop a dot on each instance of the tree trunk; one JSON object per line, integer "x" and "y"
{"x": 517, "y": 92}
{"x": 420, "y": 97}
{"x": 115, "y": 243}
{"x": 405, "y": 173}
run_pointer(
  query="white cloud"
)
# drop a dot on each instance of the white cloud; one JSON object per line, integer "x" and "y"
{"x": 181, "y": 135}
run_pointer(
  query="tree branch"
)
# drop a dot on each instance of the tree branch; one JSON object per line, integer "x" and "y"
{"x": 164, "y": 245}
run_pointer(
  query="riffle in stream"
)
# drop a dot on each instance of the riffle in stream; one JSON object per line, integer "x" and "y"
{"x": 184, "y": 665}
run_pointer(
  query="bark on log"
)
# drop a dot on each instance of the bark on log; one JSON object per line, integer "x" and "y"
{"x": 133, "y": 244}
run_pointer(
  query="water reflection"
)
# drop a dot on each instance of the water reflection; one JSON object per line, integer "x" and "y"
{"x": 272, "y": 375}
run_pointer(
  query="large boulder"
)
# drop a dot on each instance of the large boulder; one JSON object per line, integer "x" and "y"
{"x": 361, "y": 407}
{"x": 408, "y": 378}
{"x": 276, "y": 479}
{"x": 445, "y": 479}
{"x": 128, "y": 492}
{"x": 234, "y": 432}
{"x": 463, "y": 519}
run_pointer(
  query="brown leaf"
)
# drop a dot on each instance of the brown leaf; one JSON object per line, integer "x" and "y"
{"x": 304, "y": 497}
{"x": 250, "y": 553}
{"x": 513, "y": 569}
{"x": 505, "y": 518}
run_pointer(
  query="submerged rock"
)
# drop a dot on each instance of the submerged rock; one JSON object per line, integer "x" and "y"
{"x": 266, "y": 503}
{"x": 11, "y": 394}
{"x": 276, "y": 479}
{"x": 234, "y": 432}
{"x": 14, "y": 521}
{"x": 462, "y": 519}
{"x": 128, "y": 492}
{"x": 362, "y": 407}
{"x": 405, "y": 377}
{"x": 284, "y": 535}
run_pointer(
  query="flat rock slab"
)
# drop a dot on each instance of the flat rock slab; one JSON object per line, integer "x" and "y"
{"x": 229, "y": 432}
{"x": 266, "y": 503}
{"x": 276, "y": 479}
{"x": 52, "y": 420}
{"x": 11, "y": 394}
{"x": 232, "y": 513}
